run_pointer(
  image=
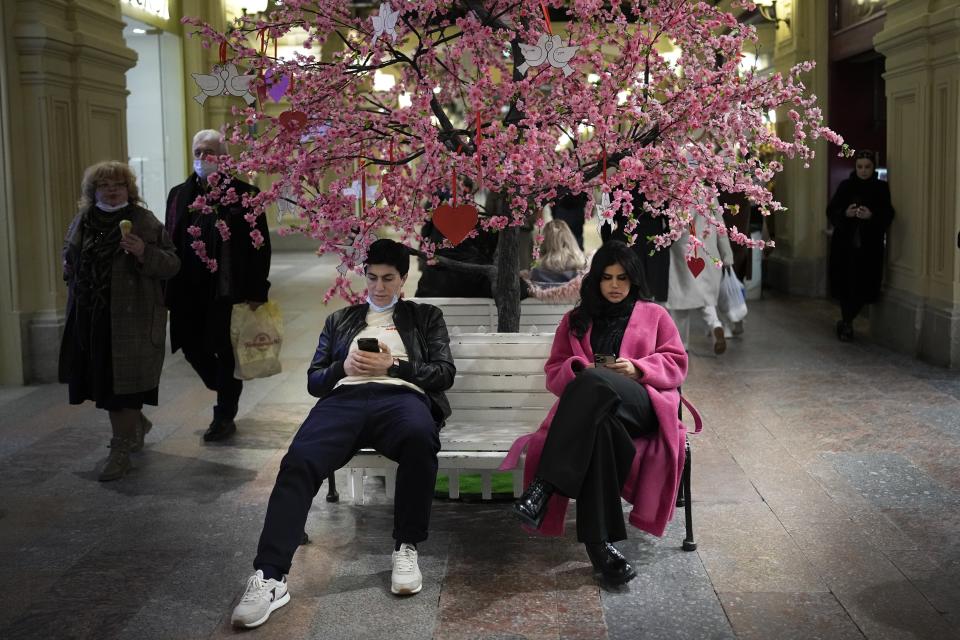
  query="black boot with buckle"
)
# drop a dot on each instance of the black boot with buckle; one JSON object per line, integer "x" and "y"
{"x": 532, "y": 505}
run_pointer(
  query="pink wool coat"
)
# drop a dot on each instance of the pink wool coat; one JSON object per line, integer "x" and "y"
{"x": 652, "y": 344}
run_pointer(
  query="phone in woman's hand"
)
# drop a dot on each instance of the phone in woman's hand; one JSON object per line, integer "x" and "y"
{"x": 601, "y": 359}
{"x": 368, "y": 344}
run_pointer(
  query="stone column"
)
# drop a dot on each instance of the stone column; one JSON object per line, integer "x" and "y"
{"x": 920, "y": 310}
{"x": 798, "y": 264}
{"x": 65, "y": 62}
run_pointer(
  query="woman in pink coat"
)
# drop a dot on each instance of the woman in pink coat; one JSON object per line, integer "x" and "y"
{"x": 616, "y": 364}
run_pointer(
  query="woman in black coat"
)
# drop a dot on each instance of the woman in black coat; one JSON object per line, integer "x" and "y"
{"x": 860, "y": 212}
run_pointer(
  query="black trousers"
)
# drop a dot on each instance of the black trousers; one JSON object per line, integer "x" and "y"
{"x": 850, "y": 308}
{"x": 209, "y": 351}
{"x": 394, "y": 420}
{"x": 589, "y": 448}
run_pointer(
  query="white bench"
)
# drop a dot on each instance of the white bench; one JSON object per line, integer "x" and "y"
{"x": 499, "y": 394}
{"x": 469, "y": 315}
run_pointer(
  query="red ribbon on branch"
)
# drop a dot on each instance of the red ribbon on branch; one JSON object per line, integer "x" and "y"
{"x": 223, "y": 53}
{"x": 453, "y": 180}
{"x": 603, "y": 160}
{"x": 546, "y": 17}
{"x": 262, "y": 37}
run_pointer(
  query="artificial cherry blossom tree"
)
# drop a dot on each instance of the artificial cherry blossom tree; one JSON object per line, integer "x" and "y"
{"x": 493, "y": 94}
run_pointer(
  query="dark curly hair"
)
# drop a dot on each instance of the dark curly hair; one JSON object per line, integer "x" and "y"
{"x": 592, "y": 302}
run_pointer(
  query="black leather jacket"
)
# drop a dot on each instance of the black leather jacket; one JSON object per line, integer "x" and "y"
{"x": 429, "y": 363}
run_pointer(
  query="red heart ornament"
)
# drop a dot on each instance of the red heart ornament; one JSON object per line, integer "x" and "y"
{"x": 455, "y": 222}
{"x": 293, "y": 120}
{"x": 696, "y": 265}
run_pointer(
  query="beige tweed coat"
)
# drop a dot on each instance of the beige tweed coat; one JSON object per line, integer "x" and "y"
{"x": 138, "y": 317}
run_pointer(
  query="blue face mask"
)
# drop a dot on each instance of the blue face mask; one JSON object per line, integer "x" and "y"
{"x": 204, "y": 168}
{"x": 374, "y": 306}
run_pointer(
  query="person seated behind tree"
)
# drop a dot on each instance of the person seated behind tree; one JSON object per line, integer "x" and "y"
{"x": 438, "y": 281}
{"x": 561, "y": 259}
{"x": 391, "y": 400}
{"x": 616, "y": 364}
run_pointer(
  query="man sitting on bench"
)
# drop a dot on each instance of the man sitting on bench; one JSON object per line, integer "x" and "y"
{"x": 380, "y": 372}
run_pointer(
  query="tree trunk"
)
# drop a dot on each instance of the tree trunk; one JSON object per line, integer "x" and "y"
{"x": 506, "y": 288}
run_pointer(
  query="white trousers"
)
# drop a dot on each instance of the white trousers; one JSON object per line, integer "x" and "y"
{"x": 681, "y": 317}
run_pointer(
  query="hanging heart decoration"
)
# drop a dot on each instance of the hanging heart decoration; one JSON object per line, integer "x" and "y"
{"x": 277, "y": 84}
{"x": 293, "y": 120}
{"x": 696, "y": 266}
{"x": 455, "y": 223}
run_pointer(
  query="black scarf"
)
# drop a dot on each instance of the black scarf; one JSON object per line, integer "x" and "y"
{"x": 609, "y": 324}
{"x": 100, "y": 242}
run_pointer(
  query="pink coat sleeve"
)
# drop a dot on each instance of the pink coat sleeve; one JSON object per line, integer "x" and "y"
{"x": 559, "y": 366}
{"x": 666, "y": 366}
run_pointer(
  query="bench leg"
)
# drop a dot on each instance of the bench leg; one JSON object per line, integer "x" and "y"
{"x": 332, "y": 494}
{"x": 688, "y": 542}
{"x": 390, "y": 482}
{"x": 517, "y": 483}
{"x": 486, "y": 484}
{"x": 356, "y": 485}
{"x": 453, "y": 489}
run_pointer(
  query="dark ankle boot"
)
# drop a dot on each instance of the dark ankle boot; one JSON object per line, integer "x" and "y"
{"x": 609, "y": 565}
{"x": 221, "y": 428}
{"x": 532, "y": 505}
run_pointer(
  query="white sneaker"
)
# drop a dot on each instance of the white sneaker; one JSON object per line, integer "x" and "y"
{"x": 261, "y": 598}
{"x": 406, "y": 578}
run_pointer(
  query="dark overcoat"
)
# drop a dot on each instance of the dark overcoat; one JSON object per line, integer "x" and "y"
{"x": 857, "y": 246}
{"x": 138, "y": 317}
{"x": 242, "y": 269}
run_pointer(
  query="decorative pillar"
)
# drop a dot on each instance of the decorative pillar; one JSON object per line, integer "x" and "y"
{"x": 920, "y": 310}
{"x": 65, "y": 62}
{"x": 798, "y": 265}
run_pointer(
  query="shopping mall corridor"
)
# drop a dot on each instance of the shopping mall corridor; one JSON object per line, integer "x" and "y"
{"x": 826, "y": 504}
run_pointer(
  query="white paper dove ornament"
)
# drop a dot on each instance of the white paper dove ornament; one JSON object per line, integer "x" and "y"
{"x": 239, "y": 85}
{"x": 224, "y": 80}
{"x": 604, "y": 216}
{"x": 351, "y": 252}
{"x": 534, "y": 55}
{"x": 385, "y": 22}
{"x": 286, "y": 203}
{"x": 210, "y": 85}
{"x": 559, "y": 56}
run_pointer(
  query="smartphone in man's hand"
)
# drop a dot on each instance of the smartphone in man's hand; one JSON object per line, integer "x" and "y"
{"x": 368, "y": 344}
{"x": 601, "y": 359}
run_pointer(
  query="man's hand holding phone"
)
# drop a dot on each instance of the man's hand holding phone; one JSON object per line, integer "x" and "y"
{"x": 371, "y": 358}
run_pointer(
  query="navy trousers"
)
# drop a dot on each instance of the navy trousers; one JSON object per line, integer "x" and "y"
{"x": 395, "y": 421}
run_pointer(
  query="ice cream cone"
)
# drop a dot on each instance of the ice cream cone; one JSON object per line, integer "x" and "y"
{"x": 125, "y": 227}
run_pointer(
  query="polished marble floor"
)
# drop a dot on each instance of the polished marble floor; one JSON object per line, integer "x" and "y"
{"x": 826, "y": 494}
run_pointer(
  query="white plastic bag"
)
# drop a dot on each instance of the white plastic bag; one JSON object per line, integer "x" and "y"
{"x": 731, "y": 302}
{"x": 257, "y": 337}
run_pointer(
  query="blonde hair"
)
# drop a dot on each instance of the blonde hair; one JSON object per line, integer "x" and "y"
{"x": 559, "y": 251}
{"x": 108, "y": 170}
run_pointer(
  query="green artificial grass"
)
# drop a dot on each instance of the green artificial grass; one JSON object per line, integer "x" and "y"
{"x": 471, "y": 487}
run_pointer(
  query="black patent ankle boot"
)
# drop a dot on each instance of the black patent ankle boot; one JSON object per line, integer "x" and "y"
{"x": 532, "y": 505}
{"x": 609, "y": 565}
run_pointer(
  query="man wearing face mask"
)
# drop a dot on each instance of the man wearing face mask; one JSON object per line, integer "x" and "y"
{"x": 380, "y": 371}
{"x": 201, "y": 300}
